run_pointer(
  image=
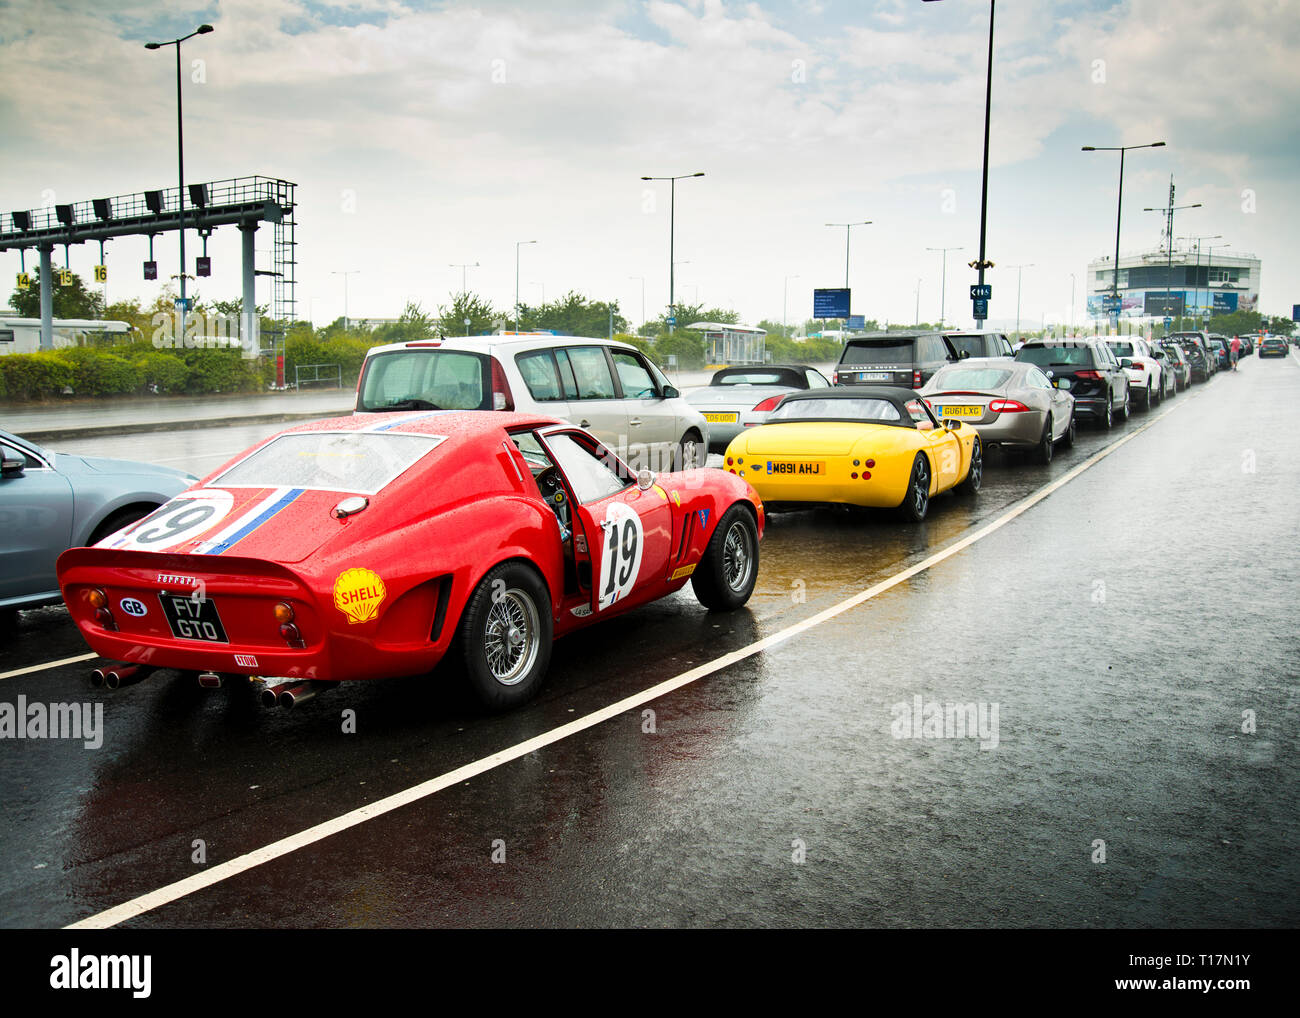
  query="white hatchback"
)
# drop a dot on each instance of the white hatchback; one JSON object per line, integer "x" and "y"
{"x": 608, "y": 387}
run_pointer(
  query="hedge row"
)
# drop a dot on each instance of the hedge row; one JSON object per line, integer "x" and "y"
{"x": 135, "y": 368}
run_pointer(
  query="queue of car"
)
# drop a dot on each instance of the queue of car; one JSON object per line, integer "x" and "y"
{"x": 485, "y": 498}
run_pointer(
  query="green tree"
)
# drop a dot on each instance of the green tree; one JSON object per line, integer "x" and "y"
{"x": 413, "y": 323}
{"x": 1281, "y": 326}
{"x": 481, "y": 314}
{"x": 71, "y": 301}
{"x": 573, "y": 315}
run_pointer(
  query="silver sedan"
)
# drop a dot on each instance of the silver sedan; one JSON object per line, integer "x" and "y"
{"x": 50, "y": 502}
{"x": 1010, "y": 403}
{"x": 741, "y": 397}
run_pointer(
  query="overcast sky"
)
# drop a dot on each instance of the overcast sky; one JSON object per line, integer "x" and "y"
{"x": 424, "y": 134}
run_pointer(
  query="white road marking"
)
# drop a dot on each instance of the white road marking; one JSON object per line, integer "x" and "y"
{"x": 48, "y": 664}
{"x": 233, "y": 867}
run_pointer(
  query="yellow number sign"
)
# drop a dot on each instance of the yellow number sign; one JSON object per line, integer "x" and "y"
{"x": 65, "y": 277}
{"x": 24, "y": 280}
{"x": 101, "y": 273}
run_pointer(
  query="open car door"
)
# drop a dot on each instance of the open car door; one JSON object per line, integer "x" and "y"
{"x": 622, "y": 534}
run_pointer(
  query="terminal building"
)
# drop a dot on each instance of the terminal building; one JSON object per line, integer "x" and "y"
{"x": 1193, "y": 283}
{"x": 731, "y": 344}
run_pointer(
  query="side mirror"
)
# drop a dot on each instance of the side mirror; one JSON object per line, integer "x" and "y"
{"x": 670, "y": 392}
{"x": 1124, "y": 362}
{"x": 645, "y": 479}
{"x": 963, "y": 354}
{"x": 11, "y": 464}
{"x": 951, "y": 424}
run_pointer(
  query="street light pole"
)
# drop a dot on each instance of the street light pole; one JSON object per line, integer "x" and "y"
{"x": 463, "y": 266}
{"x": 345, "y": 274}
{"x": 785, "y": 302}
{"x": 1071, "y": 303}
{"x": 1119, "y": 209}
{"x": 180, "y": 153}
{"x": 1169, "y": 211}
{"x": 848, "y": 228}
{"x": 1196, "y": 283}
{"x": 917, "y": 321}
{"x": 943, "y": 282}
{"x": 518, "y": 245}
{"x": 672, "y": 227}
{"x": 1019, "y": 271}
{"x": 642, "y": 278}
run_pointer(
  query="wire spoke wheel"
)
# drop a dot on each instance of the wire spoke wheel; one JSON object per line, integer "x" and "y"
{"x": 510, "y": 637}
{"x": 737, "y": 557}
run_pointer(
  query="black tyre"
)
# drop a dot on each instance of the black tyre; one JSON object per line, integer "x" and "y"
{"x": 917, "y": 500}
{"x": 1108, "y": 420}
{"x": 1068, "y": 437}
{"x": 1043, "y": 450}
{"x": 505, "y": 636}
{"x": 1127, "y": 409}
{"x": 1149, "y": 400}
{"x": 117, "y": 521}
{"x": 690, "y": 452}
{"x": 725, "y": 577}
{"x": 975, "y": 475}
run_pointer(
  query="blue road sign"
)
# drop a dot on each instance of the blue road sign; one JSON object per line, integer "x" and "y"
{"x": 1111, "y": 303}
{"x": 981, "y": 291}
{"x": 831, "y": 303}
{"x": 981, "y": 308}
{"x": 1168, "y": 321}
{"x": 1295, "y": 312}
{"x": 856, "y": 322}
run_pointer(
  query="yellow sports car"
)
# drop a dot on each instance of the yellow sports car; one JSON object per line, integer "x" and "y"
{"x": 869, "y": 445}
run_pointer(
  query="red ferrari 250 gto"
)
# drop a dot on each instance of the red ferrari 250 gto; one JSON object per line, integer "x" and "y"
{"x": 350, "y": 549}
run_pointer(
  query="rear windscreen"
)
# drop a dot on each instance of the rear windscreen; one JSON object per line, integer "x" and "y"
{"x": 970, "y": 378}
{"x": 861, "y": 409}
{"x": 757, "y": 376}
{"x": 1056, "y": 356}
{"x": 360, "y": 461}
{"x": 883, "y": 351}
{"x": 425, "y": 379}
{"x": 1121, "y": 349}
{"x": 972, "y": 346}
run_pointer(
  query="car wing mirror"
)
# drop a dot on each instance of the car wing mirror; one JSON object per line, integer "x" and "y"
{"x": 670, "y": 392}
{"x": 645, "y": 479}
{"x": 951, "y": 424}
{"x": 11, "y": 464}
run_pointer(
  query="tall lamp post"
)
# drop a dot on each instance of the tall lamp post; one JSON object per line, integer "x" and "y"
{"x": 518, "y": 245}
{"x": 982, "y": 263}
{"x": 943, "y": 281}
{"x": 1119, "y": 209}
{"x": 848, "y": 229}
{"x": 463, "y": 266}
{"x": 1196, "y": 279}
{"x": 672, "y": 221}
{"x": 642, "y": 278}
{"x": 345, "y": 274}
{"x": 180, "y": 154}
{"x": 785, "y": 303}
{"x": 1019, "y": 271}
{"x": 1169, "y": 211}
{"x": 1209, "y": 265}
{"x": 1071, "y": 303}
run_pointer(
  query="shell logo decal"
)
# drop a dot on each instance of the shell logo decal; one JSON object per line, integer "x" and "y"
{"x": 358, "y": 593}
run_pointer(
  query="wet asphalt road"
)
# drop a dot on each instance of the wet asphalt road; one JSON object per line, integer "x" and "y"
{"x": 1121, "y": 627}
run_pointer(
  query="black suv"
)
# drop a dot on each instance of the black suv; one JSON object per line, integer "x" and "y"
{"x": 1197, "y": 347}
{"x": 908, "y": 359}
{"x": 1088, "y": 369}
{"x": 980, "y": 344}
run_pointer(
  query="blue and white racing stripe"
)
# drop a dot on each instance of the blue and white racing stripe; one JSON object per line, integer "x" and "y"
{"x": 408, "y": 418}
{"x": 276, "y": 502}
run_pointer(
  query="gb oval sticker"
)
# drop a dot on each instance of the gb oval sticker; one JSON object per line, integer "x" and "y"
{"x": 620, "y": 556}
{"x": 358, "y": 593}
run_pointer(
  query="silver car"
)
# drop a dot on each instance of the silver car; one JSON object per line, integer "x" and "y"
{"x": 50, "y": 502}
{"x": 607, "y": 387}
{"x": 742, "y": 397}
{"x": 1010, "y": 403}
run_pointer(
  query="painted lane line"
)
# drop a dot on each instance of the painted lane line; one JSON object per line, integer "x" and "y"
{"x": 48, "y": 664}
{"x": 258, "y": 857}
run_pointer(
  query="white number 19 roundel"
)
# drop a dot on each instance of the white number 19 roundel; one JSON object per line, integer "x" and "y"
{"x": 620, "y": 555}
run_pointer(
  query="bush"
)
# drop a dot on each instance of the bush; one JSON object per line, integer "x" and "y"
{"x": 220, "y": 371}
{"x": 687, "y": 347}
{"x": 163, "y": 370}
{"x": 34, "y": 375}
{"x": 97, "y": 372}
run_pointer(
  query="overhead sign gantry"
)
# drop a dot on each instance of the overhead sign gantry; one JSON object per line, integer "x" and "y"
{"x": 245, "y": 202}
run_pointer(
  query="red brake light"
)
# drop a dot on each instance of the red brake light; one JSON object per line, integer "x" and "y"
{"x": 1007, "y": 406}
{"x": 916, "y": 378}
{"x": 1138, "y": 365}
{"x": 502, "y": 399}
{"x": 835, "y": 378}
{"x": 426, "y": 342}
{"x": 1094, "y": 375}
{"x": 768, "y": 404}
